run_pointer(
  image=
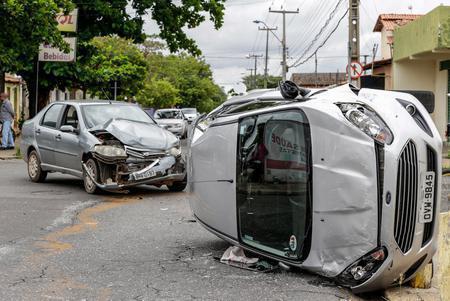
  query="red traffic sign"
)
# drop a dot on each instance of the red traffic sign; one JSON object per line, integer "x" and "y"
{"x": 356, "y": 70}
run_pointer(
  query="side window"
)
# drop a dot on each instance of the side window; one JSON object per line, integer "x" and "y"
{"x": 50, "y": 118}
{"x": 272, "y": 189}
{"x": 70, "y": 117}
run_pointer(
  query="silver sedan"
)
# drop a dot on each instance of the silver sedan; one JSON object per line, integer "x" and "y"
{"x": 110, "y": 145}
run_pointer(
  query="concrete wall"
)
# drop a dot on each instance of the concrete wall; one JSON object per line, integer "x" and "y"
{"x": 424, "y": 75}
{"x": 425, "y": 34}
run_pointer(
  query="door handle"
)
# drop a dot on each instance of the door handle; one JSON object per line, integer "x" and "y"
{"x": 58, "y": 137}
{"x": 38, "y": 131}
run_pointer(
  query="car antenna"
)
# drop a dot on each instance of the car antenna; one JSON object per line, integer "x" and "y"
{"x": 290, "y": 91}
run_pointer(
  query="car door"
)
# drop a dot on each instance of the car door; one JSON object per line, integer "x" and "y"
{"x": 273, "y": 182}
{"x": 67, "y": 146}
{"x": 46, "y": 133}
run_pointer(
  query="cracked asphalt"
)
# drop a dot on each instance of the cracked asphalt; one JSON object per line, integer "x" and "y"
{"x": 59, "y": 243}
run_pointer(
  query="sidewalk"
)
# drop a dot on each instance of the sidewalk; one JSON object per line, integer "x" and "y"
{"x": 440, "y": 283}
{"x": 10, "y": 153}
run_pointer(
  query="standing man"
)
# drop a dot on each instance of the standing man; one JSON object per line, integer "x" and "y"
{"x": 6, "y": 117}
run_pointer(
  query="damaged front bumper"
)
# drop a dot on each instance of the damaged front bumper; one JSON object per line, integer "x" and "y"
{"x": 155, "y": 170}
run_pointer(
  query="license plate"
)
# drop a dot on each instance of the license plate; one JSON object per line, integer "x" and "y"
{"x": 144, "y": 175}
{"x": 426, "y": 208}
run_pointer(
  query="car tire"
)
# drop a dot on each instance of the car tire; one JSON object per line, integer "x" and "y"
{"x": 89, "y": 185}
{"x": 35, "y": 171}
{"x": 178, "y": 186}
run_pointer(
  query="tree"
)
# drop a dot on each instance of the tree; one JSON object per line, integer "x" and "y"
{"x": 115, "y": 60}
{"x": 25, "y": 25}
{"x": 102, "y": 18}
{"x": 272, "y": 81}
{"x": 180, "y": 80}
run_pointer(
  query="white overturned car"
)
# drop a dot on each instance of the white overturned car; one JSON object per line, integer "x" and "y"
{"x": 341, "y": 182}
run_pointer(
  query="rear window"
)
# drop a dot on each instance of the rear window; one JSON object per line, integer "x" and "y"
{"x": 169, "y": 114}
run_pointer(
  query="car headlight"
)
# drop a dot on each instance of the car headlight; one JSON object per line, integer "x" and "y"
{"x": 363, "y": 268}
{"x": 110, "y": 151}
{"x": 368, "y": 121}
{"x": 174, "y": 151}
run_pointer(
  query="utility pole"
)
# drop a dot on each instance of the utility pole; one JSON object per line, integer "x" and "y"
{"x": 315, "y": 69}
{"x": 115, "y": 90}
{"x": 267, "y": 29}
{"x": 252, "y": 80}
{"x": 353, "y": 35}
{"x": 256, "y": 57}
{"x": 284, "y": 12}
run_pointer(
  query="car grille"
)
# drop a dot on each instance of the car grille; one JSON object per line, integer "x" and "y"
{"x": 406, "y": 199}
{"x": 431, "y": 166}
{"x": 143, "y": 154}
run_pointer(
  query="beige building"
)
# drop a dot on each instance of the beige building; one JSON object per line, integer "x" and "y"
{"x": 16, "y": 89}
{"x": 386, "y": 24}
{"x": 319, "y": 80}
{"x": 421, "y": 60}
{"x": 415, "y": 55}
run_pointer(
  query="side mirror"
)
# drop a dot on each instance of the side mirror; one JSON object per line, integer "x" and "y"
{"x": 68, "y": 129}
{"x": 163, "y": 126}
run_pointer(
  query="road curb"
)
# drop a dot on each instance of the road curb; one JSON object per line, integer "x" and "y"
{"x": 440, "y": 285}
{"x": 9, "y": 158}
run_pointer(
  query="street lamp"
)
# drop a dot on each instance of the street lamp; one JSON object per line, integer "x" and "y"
{"x": 267, "y": 29}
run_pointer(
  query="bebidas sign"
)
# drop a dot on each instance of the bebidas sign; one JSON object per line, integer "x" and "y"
{"x": 48, "y": 53}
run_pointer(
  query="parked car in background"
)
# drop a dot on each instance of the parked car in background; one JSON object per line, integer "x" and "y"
{"x": 341, "y": 182}
{"x": 190, "y": 113}
{"x": 110, "y": 145}
{"x": 174, "y": 121}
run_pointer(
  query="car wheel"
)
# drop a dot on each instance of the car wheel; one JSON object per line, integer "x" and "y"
{"x": 178, "y": 186}
{"x": 35, "y": 171}
{"x": 92, "y": 168}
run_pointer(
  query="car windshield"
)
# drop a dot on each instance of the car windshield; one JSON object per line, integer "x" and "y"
{"x": 168, "y": 114}
{"x": 189, "y": 111}
{"x": 99, "y": 114}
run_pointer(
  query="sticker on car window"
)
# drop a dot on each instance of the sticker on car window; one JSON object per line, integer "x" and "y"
{"x": 293, "y": 243}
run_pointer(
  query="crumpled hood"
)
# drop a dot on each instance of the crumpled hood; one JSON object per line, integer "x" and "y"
{"x": 345, "y": 217}
{"x": 139, "y": 134}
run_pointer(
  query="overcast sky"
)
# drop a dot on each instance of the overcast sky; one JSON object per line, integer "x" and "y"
{"x": 226, "y": 49}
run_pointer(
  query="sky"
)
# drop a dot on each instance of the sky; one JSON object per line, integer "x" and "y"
{"x": 226, "y": 49}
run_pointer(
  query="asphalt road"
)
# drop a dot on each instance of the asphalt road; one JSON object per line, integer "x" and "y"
{"x": 59, "y": 243}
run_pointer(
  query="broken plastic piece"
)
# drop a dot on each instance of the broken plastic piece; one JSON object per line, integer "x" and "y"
{"x": 236, "y": 254}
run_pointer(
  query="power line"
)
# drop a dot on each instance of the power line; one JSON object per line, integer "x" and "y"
{"x": 317, "y": 36}
{"x": 312, "y": 20}
{"x": 323, "y": 43}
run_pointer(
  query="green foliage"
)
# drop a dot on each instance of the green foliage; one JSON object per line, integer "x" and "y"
{"x": 159, "y": 93}
{"x": 107, "y": 17}
{"x": 28, "y": 23}
{"x": 180, "y": 80}
{"x": 172, "y": 17}
{"x": 25, "y": 25}
{"x": 115, "y": 59}
{"x": 272, "y": 81}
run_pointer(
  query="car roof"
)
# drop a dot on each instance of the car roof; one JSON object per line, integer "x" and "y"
{"x": 167, "y": 110}
{"x": 93, "y": 102}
